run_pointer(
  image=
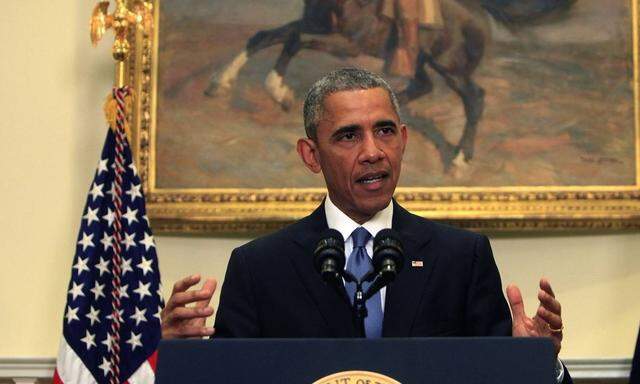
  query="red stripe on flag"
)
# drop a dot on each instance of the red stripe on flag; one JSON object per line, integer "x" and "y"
{"x": 56, "y": 378}
{"x": 153, "y": 359}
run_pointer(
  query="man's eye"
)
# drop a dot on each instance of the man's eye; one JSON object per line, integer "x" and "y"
{"x": 386, "y": 130}
{"x": 349, "y": 136}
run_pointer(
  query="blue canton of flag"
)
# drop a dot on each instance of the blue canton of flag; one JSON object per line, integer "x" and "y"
{"x": 85, "y": 348}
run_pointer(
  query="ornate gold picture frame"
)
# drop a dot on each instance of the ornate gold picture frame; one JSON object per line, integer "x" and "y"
{"x": 546, "y": 156}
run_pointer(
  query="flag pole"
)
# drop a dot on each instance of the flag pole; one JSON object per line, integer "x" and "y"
{"x": 120, "y": 74}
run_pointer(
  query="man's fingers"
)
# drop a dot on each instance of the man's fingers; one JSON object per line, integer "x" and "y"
{"x": 183, "y": 313}
{"x": 185, "y": 283}
{"x": 545, "y": 285}
{"x": 515, "y": 302}
{"x": 188, "y": 297}
{"x": 553, "y": 320}
{"x": 208, "y": 288}
{"x": 549, "y": 302}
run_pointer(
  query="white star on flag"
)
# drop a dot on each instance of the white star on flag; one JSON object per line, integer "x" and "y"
{"x": 81, "y": 265}
{"x": 129, "y": 240}
{"x": 103, "y": 266}
{"x": 107, "y": 241}
{"x": 87, "y": 241}
{"x": 126, "y": 266}
{"x": 72, "y": 314}
{"x": 107, "y": 342}
{"x": 91, "y": 215}
{"x": 102, "y": 166}
{"x": 109, "y": 217}
{"x": 158, "y": 315}
{"x": 88, "y": 339}
{"x": 93, "y": 315}
{"x": 133, "y": 168}
{"x": 123, "y": 292}
{"x": 145, "y": 266}
{"x": 147, "y": 241}
{"x": 130, "y": 215}
{"x": 105, "y": 366}
{"x": 134, "y": 192}
{"x": 97, "y": 290}
{"x": 134, "y": 341}
{"x": 139, "y": 316}
{"x": 76, "y": 290}
{"x": 159, "y": 293}
{"x": 142, "y": 290}
{"x": 96, "y": 191}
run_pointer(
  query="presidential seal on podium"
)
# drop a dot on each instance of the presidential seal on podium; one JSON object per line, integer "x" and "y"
{"x": 356, "y": 377}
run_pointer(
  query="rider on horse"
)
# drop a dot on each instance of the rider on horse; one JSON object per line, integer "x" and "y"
{"x": 409, "y": 16}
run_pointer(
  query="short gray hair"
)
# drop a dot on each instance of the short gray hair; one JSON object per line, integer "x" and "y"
{"x": 345, "y": 79}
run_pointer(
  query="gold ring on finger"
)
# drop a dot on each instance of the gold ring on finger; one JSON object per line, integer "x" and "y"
{"x": 555, "y": 330}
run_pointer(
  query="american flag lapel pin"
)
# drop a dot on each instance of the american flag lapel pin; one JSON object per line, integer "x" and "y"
{"x": 417, "y": 263}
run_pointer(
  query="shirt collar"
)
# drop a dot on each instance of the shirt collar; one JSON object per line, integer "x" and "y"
{"x": 339, "y": 221}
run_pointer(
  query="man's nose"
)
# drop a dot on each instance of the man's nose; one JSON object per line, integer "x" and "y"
{"x": 370, "y": 151}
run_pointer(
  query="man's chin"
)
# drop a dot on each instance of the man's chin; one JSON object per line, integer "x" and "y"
{"x": 361, "y": 205}
{"x": 369, "y": 205}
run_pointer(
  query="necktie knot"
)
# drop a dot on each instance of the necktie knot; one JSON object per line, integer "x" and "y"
{"x": 360, "y": 237}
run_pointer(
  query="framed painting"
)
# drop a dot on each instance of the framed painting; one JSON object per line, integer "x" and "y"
{"x": 521, "y": 115}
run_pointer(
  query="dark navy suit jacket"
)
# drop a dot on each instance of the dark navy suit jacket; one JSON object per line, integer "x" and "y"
{"x": 452, "y": 288}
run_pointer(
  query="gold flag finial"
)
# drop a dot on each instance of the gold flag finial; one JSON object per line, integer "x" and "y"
{"x": 126, "y": 15}
{"x": 99, "y": 22}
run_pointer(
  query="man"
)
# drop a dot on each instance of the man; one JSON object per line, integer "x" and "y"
{"x": 450, "y": 287}
{"x": 409, "y": 16}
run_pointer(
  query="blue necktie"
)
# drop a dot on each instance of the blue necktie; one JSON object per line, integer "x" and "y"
{"x": 359, "y": 264}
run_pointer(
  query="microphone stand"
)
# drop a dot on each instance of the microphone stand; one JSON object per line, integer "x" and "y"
{"x": 360, "y": 298}
{"x": 359, "y": 303}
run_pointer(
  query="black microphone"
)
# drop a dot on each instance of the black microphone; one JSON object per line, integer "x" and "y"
{"x": 328, "y": 257}
{"x": 388, "y": 255}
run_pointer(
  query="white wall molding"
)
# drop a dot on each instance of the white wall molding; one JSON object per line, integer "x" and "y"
{"x": 598, "y": 368}
{"x": 26, "y": 369}
{"x": 39, "y": 368}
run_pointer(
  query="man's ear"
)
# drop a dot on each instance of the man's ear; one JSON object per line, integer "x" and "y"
{"x": 308, "y": 151}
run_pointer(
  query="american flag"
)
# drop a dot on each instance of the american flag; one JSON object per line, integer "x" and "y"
{"x": 86, "y": 349}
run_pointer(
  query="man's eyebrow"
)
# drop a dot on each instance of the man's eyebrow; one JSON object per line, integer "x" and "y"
{"x": 385, "y": 123}
{"x": 346, "y": 129}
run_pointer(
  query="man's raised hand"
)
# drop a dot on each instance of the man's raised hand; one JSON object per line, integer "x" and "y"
{"x": 187, "y": 310}
{"x": 547, "y": 321}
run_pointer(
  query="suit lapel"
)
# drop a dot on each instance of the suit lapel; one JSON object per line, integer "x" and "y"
{"x": 405, "y": 293}
{"x": 333, "y": 305}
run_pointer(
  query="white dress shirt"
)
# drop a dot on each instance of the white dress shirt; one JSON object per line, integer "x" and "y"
{"x": 339, "y": 221}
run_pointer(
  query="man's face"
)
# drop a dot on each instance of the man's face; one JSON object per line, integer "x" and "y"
{"x": 359, "y": 147}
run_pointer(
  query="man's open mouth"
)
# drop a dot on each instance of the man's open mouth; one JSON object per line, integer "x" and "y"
{"x": 372, "y": 177}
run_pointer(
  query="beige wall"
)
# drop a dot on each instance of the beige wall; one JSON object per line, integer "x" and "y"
{"x": 53, "y": 85}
